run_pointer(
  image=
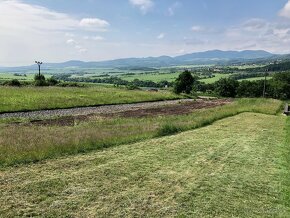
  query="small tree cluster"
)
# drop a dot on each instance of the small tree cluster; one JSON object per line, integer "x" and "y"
{"x": 13, "y": 82}
{"x": 40, "y": 80}
{"x": 278, "y": 87}
{"x": 226, "y": 87}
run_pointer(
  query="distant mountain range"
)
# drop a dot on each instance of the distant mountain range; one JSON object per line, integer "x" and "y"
{"x": 207, "y": 57}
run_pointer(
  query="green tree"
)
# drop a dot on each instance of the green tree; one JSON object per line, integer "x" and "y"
{"x": 250, "y": 88}
{"x": 280, "y": 85}
{"x": 226, "y": 87}
{"x": 184, "y": 83}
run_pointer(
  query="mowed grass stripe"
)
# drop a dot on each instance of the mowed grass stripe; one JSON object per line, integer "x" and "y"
{"x": 229, "y": 169}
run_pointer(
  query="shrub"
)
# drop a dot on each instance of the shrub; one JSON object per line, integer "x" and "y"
{"x": 14, "y": 82}
{"x": 39, "y": 80}
{"x": 52, "y": 81}
{"x": 132, "y": 87}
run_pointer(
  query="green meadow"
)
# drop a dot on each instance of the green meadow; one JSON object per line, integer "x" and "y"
{"x": 37, "y": 98}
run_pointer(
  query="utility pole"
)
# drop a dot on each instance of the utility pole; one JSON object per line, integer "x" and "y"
{"x": 264, "y": 91}
{"x": 39, "y": 64}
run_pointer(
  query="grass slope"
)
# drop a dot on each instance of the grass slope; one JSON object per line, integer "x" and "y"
{"x": 34, "y": 143}
{"x": 33, "y": 98}
{"x": 229, "y": 169}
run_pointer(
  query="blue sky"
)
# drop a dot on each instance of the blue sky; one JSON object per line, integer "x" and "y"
{"x": 92, "y": 30}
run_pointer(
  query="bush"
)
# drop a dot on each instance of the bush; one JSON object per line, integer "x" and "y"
{"x": 52, "y": 81}
{"x": 39, "y": 77}
{"x": 168, "y": 129}
{"x": 39, "y": 80}
{"x": 14, "y": 82}
{"x": 132, "y": 87}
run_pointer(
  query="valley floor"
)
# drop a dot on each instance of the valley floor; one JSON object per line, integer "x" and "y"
{"x": 235, "y": 167}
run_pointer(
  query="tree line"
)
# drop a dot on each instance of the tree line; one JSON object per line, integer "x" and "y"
{"x": 277, "y": 87}
{"x": 116, "y": 81}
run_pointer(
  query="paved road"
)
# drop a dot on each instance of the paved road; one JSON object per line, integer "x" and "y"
{"x": 92, "y": 110}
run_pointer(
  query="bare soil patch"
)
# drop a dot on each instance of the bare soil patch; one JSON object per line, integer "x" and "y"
{"x": 176, "y": 109}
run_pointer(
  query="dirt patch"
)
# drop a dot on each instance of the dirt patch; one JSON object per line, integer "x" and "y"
{"x": 62, "y": 121}
{"x": 178, "y": 109}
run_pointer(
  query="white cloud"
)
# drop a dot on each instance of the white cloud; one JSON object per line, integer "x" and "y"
{"x": 71, "y": 42}
{"x": 285, "y": 12}
{"x": 259, "y": 34}
{"x": 161, "y": 36}
{"x": 42, "y": 33}
{"x": 196, "y": 28}
{"x": 69, "y": 34}
{"x": 181, "y": 51}
{"x": 254, "y": 24}
{"x": 98, "y": 38}
{"x": 15, "y": 15}
{"x": 83, "y": 50}
{"x": 94, "y": 24}
{"x": 95, "y": 38}
{"x": 172, "y": 8}
{"x": 143, "y": 5}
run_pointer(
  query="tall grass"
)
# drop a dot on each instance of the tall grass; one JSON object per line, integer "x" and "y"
{"x": 36, "y": 98}
{"x": 286, "y": 164}
{"x": 229, "y": 169}
{"x": 23, "y": 144}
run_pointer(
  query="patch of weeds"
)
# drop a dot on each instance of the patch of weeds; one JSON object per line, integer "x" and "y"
{"x": 168, "y": 129}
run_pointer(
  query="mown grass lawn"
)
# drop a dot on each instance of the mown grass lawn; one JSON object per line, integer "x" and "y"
{"x": 233, "y": 168}
{"x": 33, "y": 98}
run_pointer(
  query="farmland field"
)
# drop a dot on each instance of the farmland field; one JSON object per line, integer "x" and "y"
{"x": 217, "y": 77}
{"x": 233, "y": 168}
{"x": 33, "y": 98}
{"x": 156, "y": 74}
{"x": 20, "y": 77}
{"x": 155, "y": 77}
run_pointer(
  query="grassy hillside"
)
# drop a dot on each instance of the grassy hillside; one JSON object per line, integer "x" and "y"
{"x": 33, "y": 98}
{"x": 233, "y": 168}
{"x": 34, "y": 143}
